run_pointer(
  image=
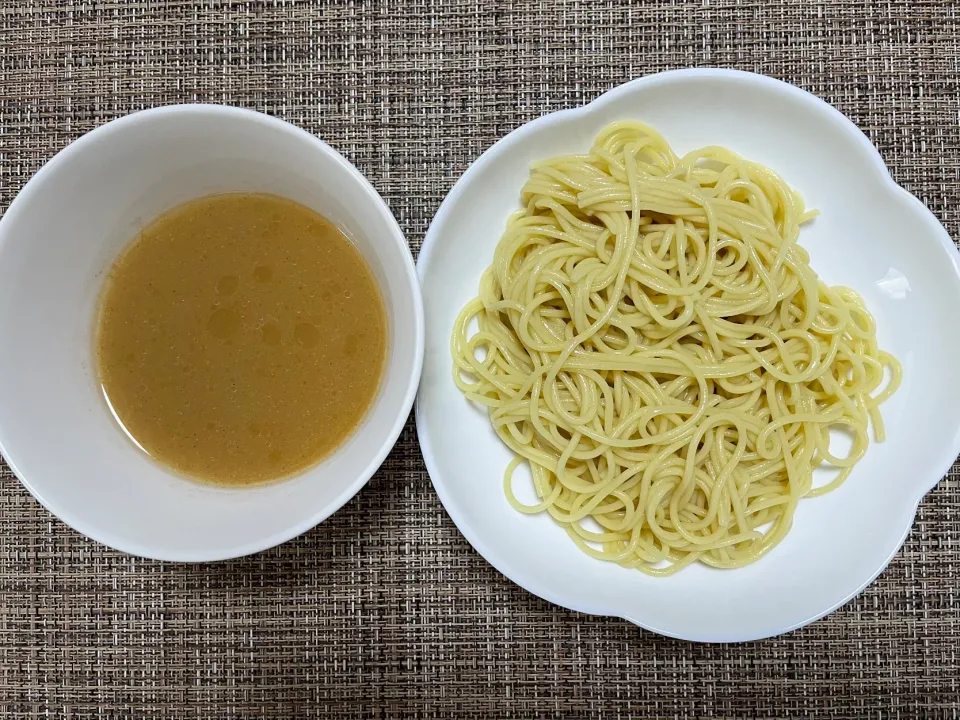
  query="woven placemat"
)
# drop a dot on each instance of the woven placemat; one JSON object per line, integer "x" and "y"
{"x": 385, "y": 611}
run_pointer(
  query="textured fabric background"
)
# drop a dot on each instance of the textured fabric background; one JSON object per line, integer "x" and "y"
{"x": 385, "y": 611}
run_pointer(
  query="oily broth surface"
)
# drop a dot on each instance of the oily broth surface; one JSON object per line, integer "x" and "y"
{"x": 241, "y": 338}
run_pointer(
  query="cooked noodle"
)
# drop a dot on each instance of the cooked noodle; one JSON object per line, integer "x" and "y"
{"x": 654, "y": 344}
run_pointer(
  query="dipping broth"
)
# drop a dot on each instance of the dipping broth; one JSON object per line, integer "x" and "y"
{"x": 241, "y": 338}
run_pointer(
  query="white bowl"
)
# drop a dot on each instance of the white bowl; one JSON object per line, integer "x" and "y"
{"x": 872, "y": 235}
{"x": 58, "y": 238}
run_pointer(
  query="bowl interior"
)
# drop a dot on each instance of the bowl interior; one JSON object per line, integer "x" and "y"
{"x": 57, "y": 241}
{"x": 871, "y": 236}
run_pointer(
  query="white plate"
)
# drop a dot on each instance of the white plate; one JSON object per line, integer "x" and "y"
{"x": 872, "y": 236}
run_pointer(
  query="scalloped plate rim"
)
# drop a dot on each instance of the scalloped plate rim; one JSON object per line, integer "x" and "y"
{"x": 865, "y": 146}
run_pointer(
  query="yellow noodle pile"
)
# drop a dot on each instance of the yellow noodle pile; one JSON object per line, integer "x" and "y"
{"x": 653, "y": 342}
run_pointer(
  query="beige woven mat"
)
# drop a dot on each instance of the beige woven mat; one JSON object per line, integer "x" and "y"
{"x": 385, "y": 611}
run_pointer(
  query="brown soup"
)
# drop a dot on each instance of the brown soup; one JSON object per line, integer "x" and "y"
{"x": 241, "y": 338}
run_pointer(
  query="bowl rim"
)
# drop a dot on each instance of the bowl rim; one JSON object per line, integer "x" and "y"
{"x": 432, "y": 239}
{"x": 409, "y": 277}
